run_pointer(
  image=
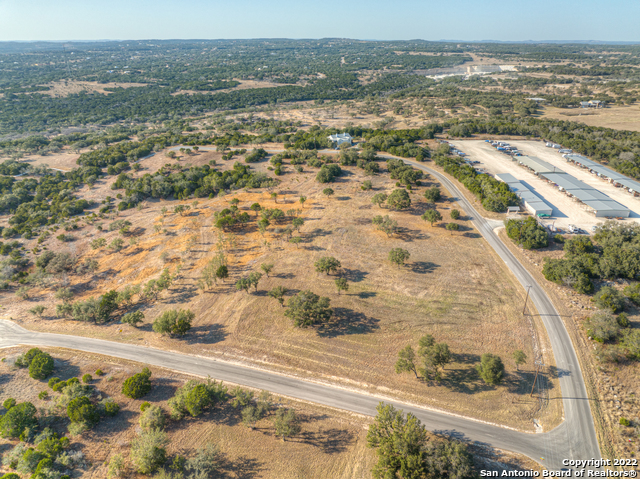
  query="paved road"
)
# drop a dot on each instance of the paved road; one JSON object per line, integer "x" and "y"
{"x": 577, "y": 432}
{"x": 575, "y": 438}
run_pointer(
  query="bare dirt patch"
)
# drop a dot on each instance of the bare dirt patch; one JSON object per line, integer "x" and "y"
{"x": 65, "y": 88}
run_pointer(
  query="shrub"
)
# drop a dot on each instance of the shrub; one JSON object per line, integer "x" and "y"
{"x": 99, "y": 372}
{"x": 17, "y": 419}
{"x": 87, "y": 378}
{"x": 134, "y": 318}
{"x": 625, "y": 422}
{"x": 527, "y": 233}
{"x": 148, "y": 451}
{"x": 623, "y": 320}
{"x": 610, "y": 298}
{"x": 137, "y": 385}
{"x": 602, "y": 326}
{"x": 9, "y": 403}
{"x": 144, "y": 406}
{"x": 108, "y": 407}
{"x": 194, "y": 397}
{"x": 82, "y": 410}
{"x": 558, "y": 238}
{"x": 59, "y": 386}
{"x": 174, "y": 322}
{"x": 43, "y": 395}
{"x": 152, "y": 417}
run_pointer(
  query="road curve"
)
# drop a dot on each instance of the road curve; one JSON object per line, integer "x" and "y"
{"x": 577, "y": 432}
{"x": 575, "y": 438}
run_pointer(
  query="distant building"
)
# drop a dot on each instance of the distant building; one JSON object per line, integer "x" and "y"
{"x": 340, "y": 138}
{"x": 537, "y": 100}
{"x": 592, "y": 104}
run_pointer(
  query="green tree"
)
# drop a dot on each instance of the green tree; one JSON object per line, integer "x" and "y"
{"x": 243, "y": 284}
{"x": 328, "y": 192}
{"x": 399, "y": 199}
{"x": 432, "y": 194}
{"x": 327, "y": 264}
{"x": 174, "y": 322}
{"x": 432, "y": 216}
{"x": 455, "y": 214}
{"x": 406, "y": 361}
{"x": 81, "y": 410}
{"x": 256, "y": 208}
{"x": 138, "y": 385}
{"x": 297, "y": 223}
{"x": 399, "y": 256}
{"x": 452, "y": 227}
{"x": 435, "y": 356}
{"x": 342, "y": 284}
{"x": 16, "y": 420}
{"x": 41, "y": 366}
{"x": 254, "y": 279}
{"x": 302, "y": 200}
{"x": 379, "y": 199}
{"x": 194, "y": 397}
{"x": 307, "y": 308}
{"x": 399, "y": 442}
{"x": 519, "y": 357}
{"x": 278, "y": 293}
{"x": 491, "y": 369}
{"x": 286, "y": 423}
{"x": 266, "y": 267}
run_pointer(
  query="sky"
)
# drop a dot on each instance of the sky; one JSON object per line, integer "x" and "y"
{"x": 469, "y": 20}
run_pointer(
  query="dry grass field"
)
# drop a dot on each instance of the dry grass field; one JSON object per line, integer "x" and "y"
{"x": 332, "y": 443}
{"x": 452, "y": 287}
{"x": 618, "y": 117}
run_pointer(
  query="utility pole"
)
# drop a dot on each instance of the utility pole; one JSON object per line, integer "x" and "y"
{"x": 525, "y": 299}
{"x": 538, "y": 365}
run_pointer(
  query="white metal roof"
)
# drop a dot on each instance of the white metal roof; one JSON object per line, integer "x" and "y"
{"x": 538, "y": 165}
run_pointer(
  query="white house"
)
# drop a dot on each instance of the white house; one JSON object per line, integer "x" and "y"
{"x": 340, "y": 138}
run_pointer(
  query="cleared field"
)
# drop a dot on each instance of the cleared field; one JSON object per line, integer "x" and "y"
{"x": 618, "y": 117}
{"x": 452, "y": 287}
{"x": 332, "y": 443}
{"x": 566, "y": 210}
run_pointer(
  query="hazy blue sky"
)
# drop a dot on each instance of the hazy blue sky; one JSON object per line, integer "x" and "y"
{"x": 516, "y": 20}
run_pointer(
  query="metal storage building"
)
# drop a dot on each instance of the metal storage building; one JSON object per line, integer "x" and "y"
{"x": 538, "y": 165}
{"x": 607, "y": 173}
{"x": 601, "y": 204}
{"x": 532, "y": 202}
